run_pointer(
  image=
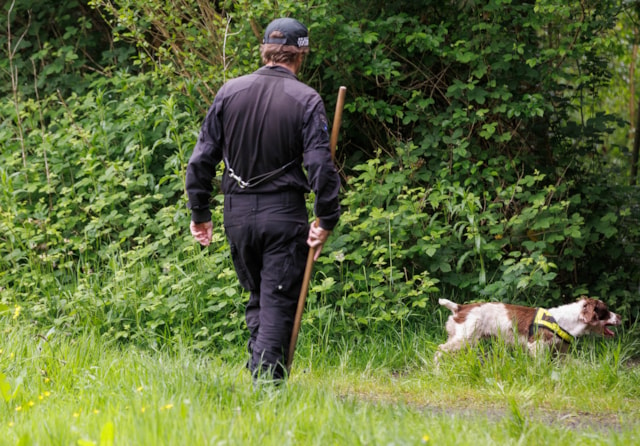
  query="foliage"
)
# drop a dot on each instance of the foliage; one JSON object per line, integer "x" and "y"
{"x": 488, "y": 179}
{"x": 621, "y": 95}
{"x": 92, "y": 217}
{"x": 405, "y": 246}
{"x": 471, "y": 156}
{"x": 53, "y": 46}
{"x": 184, "y": 41}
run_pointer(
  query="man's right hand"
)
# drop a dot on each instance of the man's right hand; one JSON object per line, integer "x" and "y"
{"x": 202, "y": 232}
{"x": 317, "y": 238}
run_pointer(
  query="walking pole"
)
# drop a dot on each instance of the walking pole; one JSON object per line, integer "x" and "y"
{"x": 335, "y": 130}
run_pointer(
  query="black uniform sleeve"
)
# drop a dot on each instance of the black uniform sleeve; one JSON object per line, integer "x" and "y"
{"x": 202, "y": 164}
{"x": 323, "y": 176}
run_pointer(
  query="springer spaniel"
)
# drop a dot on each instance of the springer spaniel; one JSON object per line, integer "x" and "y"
{"x": 534, "y": 327}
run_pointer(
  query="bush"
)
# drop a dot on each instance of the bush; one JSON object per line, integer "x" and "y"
{"x": 469, "y": 153}
{"x": 400, "y": 245}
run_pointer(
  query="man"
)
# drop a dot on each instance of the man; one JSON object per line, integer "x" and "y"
{"x": 265, "y": 126}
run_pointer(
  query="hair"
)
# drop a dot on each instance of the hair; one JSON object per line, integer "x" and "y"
{"x": 277, "y": 53}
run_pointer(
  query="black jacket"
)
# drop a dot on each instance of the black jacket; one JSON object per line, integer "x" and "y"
{"x": 265, "y": 122}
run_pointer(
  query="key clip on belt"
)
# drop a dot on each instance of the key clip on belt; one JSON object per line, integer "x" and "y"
{"x": 260, "y": 178}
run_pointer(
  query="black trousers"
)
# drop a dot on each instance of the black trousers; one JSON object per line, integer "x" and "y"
{"x": 267, "y": 235}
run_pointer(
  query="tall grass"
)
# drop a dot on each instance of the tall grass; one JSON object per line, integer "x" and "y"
{"x": 146, "y": 352}
{"x": 380, "y": 388}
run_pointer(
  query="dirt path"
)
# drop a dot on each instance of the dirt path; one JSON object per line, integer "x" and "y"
{"x": 568, "y": 420}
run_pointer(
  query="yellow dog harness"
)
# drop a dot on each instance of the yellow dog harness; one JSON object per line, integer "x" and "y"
{"x": 544, "y": 319}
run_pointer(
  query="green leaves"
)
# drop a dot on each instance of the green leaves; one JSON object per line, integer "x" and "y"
{"x": 472, "y": 148}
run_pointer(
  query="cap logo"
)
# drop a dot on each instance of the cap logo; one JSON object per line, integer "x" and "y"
{"x": 303, "y": 41}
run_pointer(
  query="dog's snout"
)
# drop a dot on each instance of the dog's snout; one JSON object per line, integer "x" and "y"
{"x": 616, "y": 319}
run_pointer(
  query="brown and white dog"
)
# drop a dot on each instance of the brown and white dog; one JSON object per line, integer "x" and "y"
{"x": 534, "y": 328}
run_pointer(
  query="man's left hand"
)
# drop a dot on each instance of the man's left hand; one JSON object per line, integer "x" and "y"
{"x": 202, "y": 232}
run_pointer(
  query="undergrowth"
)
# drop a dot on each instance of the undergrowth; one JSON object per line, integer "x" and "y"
{"x": 380, "y": 388}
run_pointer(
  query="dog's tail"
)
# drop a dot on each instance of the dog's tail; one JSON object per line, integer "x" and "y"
{"x": 450, "y": 305}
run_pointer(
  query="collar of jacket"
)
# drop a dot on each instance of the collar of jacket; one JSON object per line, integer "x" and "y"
{"x": 544, "y": 319}
{"x": 276, "y": 70}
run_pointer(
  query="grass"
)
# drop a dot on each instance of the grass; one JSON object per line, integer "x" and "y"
{"x": 374, "y": 390}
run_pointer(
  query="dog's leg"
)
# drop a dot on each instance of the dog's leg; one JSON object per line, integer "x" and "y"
{"x": 449, "y": 346}
{"x": 436, "y": 359}
{"x": 458, "y": 334}
{"x": 534, "y": 347}
{"x": 452, "y": 345}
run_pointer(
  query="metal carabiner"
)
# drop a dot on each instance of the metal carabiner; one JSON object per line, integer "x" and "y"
{"x": 242, "y": 184}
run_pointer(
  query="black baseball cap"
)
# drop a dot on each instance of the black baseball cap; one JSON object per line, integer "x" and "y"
{"x": 295, "y": 33}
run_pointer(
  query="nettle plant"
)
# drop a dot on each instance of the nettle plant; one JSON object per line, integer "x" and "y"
{"x": 94, "y": 219}
{"x": 469, "y": 149}
{"x": 400, "y": 245}
{"x": 488, "y": 179}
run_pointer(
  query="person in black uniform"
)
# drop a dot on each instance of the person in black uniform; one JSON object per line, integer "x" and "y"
{"x": 266, "y": 126}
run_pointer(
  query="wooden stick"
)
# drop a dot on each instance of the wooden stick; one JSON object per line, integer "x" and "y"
{"x": 337, "y": 120}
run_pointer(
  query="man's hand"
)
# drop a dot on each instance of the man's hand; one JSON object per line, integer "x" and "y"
{"x": 202, "y": 232}
{"x": 316, "y": 239}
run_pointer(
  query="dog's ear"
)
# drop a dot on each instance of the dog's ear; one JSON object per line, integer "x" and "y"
{"x": 588, "y": 314}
